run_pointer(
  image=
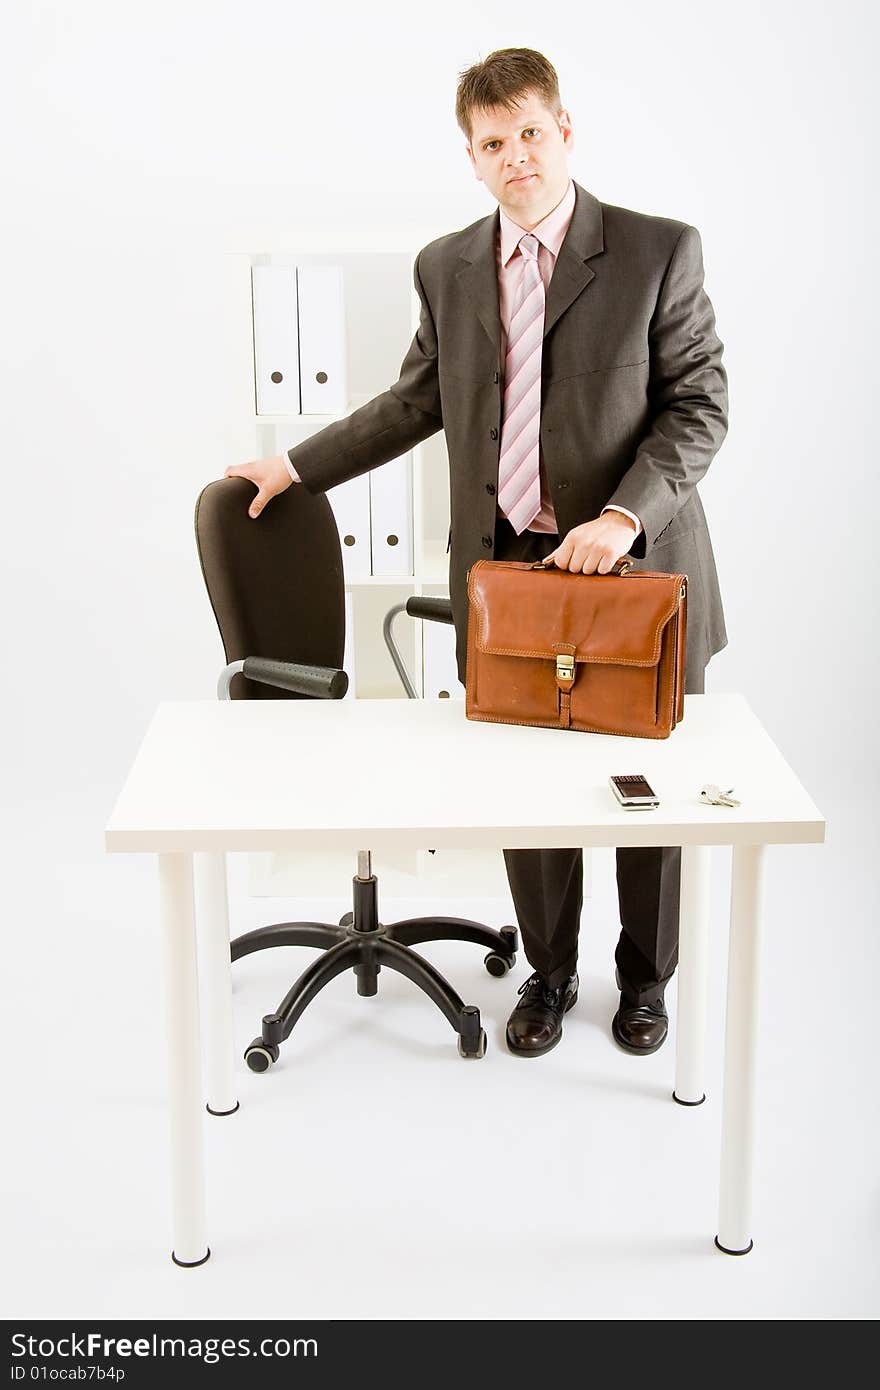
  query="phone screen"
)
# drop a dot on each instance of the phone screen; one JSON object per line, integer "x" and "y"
{"x": 634, "y": 786}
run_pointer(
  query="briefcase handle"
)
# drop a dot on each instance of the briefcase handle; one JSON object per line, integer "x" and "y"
{"x": 619, "y": 567}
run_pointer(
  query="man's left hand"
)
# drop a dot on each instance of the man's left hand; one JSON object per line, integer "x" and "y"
{"x": 594, "y": 546}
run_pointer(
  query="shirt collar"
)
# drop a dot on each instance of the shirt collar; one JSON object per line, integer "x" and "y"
{"x": 550, "y": 231}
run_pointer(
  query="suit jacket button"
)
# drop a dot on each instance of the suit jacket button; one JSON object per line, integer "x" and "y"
{"x": 487, "y": 542}
{"x": 490, "y": 488}
{"x": 493, "y": 432}
{"x": 494, "y": 376}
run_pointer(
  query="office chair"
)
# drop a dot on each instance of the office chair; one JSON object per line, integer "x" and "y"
{"x": 277, "y": 589}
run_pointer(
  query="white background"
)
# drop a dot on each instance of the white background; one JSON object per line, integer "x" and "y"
{"x": 140, "y": 142}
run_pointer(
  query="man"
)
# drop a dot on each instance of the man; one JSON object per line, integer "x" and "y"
{"x": 568, "y": 349}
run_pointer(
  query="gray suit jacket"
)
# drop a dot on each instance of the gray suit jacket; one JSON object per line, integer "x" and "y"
{"x": 633, "y": 396}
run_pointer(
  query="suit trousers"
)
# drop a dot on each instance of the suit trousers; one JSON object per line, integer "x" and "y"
{"x": 547, "y": 884}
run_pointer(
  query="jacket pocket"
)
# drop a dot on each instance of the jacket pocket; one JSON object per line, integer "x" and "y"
{"x": 596, "y": 371}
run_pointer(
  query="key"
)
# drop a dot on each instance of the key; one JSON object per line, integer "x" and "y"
{"x": 716, "y": 797}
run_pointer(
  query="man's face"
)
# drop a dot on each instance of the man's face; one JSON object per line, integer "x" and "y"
{"x": 522, "y": 157}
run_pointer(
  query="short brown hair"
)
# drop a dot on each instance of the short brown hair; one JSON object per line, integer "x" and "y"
{"x": 503, "y": 79}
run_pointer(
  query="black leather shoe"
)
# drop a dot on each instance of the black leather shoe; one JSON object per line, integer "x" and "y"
{"x": 536, "y": 1023}
{"x": 640, "y": 1028}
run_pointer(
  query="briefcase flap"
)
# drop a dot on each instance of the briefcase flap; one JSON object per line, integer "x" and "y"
{"x": 534, "y": 612}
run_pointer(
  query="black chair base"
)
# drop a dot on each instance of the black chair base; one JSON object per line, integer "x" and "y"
{"x": 360, "y": 942}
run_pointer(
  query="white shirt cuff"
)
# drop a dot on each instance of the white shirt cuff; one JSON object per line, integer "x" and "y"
{"x": 632, "y": 516}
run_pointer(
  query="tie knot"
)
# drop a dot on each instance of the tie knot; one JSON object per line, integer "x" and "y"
{"x": 528, "y": 247}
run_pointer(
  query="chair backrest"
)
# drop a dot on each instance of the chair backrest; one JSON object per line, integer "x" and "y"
{"x": 276, "y": 582}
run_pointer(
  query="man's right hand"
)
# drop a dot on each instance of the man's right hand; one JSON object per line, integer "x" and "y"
{"x": 269, "y": 475}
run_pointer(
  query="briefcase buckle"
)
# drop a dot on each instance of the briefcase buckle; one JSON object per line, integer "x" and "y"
{"x": 565, "y": 667}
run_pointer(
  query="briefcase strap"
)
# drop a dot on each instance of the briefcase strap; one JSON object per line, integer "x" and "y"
{"x": 566, "y": 670}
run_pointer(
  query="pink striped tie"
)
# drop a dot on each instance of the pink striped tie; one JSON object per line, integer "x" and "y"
{"x": 519, "y": 483}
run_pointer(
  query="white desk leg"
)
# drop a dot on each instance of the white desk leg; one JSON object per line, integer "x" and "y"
{"x": 738, "y": 1123}
{"x": 184, "y": 1060}
{"x": 212, "y": 917}
{"x": 693, "y": 975}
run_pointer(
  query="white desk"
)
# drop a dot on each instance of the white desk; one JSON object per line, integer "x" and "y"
{"x": 213, "y": 777}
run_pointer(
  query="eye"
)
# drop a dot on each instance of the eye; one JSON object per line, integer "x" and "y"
{"x": 531, "y": 130}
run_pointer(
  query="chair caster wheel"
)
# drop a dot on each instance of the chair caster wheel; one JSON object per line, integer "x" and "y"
{"x": 260, "y": 1056}
{"x": 347, "y": 920}
{"x": 498, "y": 965}
{"x": 481, "y": 1046}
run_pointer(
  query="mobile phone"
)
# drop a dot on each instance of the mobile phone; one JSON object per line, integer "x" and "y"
{"x": 634, "y": 792}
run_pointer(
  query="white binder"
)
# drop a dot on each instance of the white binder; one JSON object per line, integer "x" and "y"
{"x": 348, "y": 654}
{"x": 322, "y": 356}
{"x": 276, "y": 347}
{"x": 439, "y": 670}
{"x": 391, "y": 516}
{"x": 351, "y": 508}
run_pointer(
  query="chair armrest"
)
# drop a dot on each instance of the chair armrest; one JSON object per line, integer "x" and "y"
{"x": 437, "y": 610}
{"x": 319, "y": 682}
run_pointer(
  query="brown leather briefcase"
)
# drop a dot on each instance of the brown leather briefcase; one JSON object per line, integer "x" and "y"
{"x": 603, "y": 653}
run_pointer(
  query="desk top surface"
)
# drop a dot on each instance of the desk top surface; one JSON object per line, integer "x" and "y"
{"x": 381, "y": 774}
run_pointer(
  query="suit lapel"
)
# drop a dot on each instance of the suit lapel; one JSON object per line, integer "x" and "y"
{"x": 479, "y": 277}
{"x": 571, "y": 274}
